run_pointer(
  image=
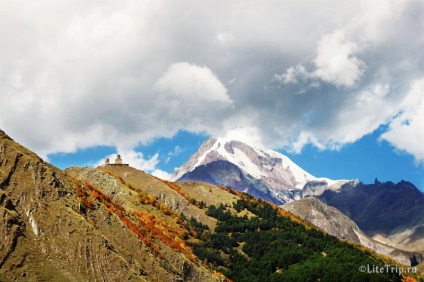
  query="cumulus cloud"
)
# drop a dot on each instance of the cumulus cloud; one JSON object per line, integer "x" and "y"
{"x": 250, "y": 135}
{"x": 183, "y": 81}
{"x": 336, "y": 61}
{"x": 161, "y": 174}
{"x": 354, "y": 77}
{"x": 368, "y": 109}
{"x": 406, "y": 129}
{"x": 77, "y": 74}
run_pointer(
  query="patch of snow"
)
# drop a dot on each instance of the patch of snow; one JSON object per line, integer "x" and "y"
{"x": 202, "y": 157}
{"x": 329, "y": 181}
{"x": 239, "y": 158}
{"x": 268, "y": 167}
{"x": 335, "y": 185}
{"x": 299, "y": 174}
{"x": 248, "y": 166}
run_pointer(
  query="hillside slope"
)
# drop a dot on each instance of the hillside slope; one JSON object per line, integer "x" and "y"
{"x": 55, "y": 228}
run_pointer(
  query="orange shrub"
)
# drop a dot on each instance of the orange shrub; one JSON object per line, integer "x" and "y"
{"x": 89, "y": 203}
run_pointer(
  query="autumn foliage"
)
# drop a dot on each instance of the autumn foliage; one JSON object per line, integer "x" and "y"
{"x": 186, "y": 196}
{"x": 145, "y": 226}
{"x": 177, "y": 189}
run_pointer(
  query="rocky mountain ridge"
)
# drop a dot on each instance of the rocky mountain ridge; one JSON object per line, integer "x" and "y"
{"x": 337, "y": 224}
{"x": 387, "y": 211}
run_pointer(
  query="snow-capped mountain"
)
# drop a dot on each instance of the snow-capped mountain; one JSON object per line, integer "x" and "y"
{"x": 263, "y": 173}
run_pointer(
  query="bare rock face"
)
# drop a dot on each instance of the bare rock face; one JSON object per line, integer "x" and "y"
{"x": 314, "y": 188}
{"x": 46, "y": 236}
{"x": 325, "y": 217}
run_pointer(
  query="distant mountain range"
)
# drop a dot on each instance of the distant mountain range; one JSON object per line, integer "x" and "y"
{"x": 390, "y": 214}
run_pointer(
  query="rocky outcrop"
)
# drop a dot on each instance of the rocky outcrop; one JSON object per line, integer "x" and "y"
{"x": 325, "y": 217}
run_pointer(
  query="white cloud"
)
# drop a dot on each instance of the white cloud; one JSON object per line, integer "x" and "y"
{"x": 303, "y": 139}
{"x": 173, "y": 154}
{"x": 161, "y": 174}
{"x": 250, "y": 135}
{"x": 336, "y": 61}
{"x": 368, "y": 57}
{"x": 184, "y": 81}
{"x": 376, "y": 16}
{"x": 406, "y": 129}
{"x": 76, "y": 74}
{"x": 368, "y": 108}
{"x": 294, "y": 74}
{"x": 134, "y": 159}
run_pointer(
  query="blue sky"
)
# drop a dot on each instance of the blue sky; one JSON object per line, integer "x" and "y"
{"x": 338, "y": 84}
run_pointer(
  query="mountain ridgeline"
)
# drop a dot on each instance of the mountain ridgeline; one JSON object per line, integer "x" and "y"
{"x": 117, "y": 223}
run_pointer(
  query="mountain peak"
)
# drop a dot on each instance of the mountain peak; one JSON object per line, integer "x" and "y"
{"x": 266, "y": 171}
{"x": 257, "y": 162}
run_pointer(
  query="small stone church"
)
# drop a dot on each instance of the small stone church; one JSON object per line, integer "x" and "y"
{"x": 118, "y": 161}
